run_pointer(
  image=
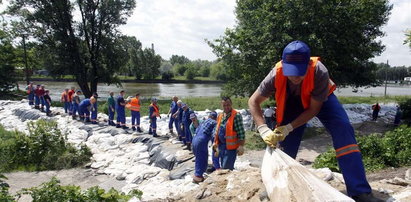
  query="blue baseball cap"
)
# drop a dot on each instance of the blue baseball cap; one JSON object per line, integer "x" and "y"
{"x": 295, "y": 59}
{"x": 213, "y": 114}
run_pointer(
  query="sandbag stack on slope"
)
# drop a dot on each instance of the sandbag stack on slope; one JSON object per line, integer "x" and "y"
{"x": 287, "y": 180}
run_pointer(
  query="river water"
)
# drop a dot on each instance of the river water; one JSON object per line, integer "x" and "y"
{"x": 201, "y": 90}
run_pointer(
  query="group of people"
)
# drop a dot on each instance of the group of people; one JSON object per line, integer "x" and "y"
{"x": 302, "y": 89}
{"x": 39, "y": 96}
{"x": 225, "y": 131}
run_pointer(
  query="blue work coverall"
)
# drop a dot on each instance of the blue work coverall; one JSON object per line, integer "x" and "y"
{"x": 174, "y": 108}
{"x": 203, "y": 135}
{"x": 83, "y": 108}
{"x": 186, "y": 124}
{"x": 121, "y": 113}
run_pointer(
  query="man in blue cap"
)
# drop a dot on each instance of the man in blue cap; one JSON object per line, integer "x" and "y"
{"x": 302, "y": 89}
{"x": 186, "y": 126}
{"x": 203, "y": 135}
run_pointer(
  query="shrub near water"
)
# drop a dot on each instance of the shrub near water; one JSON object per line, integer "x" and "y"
{"x": 44, "y": 148}
{"x": 393, "y": 149}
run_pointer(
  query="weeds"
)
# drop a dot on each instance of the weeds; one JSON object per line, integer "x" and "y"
{"x": 44, "y": 148}
{"x": 393, "y": 149}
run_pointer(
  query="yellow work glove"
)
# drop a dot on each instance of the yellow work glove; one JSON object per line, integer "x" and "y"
{"x": 271, "y": 138}
{"x": 284, "y": 130}
{"x": 240, "y": 150}
{"x": 216, "y": 150}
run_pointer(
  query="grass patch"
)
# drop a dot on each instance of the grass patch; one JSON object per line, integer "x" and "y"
{"x": 393, "y": 149}
{"x": 253, "y": 141}
{"x": 44, "y": 148}
{"x": 372, "y": 99}
{"x": 53, "y": 191}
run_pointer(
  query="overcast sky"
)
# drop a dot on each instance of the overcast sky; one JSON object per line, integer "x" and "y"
{"x": 180, "y": 27}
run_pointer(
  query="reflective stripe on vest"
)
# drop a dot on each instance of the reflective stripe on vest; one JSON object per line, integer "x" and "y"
{"x": 342, "y": 151}
{"x": 134, "y": 105}
{"x": 156, "y": 110}
{"x": 307, "y": 86}
{"x": 230, "y": 135}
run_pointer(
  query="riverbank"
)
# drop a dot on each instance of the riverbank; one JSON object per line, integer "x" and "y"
{"x": 194, "y": 81}
{"x": 161, "y": 169}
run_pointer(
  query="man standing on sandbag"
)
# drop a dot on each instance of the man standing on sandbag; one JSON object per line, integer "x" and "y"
{"x": 229, "y": 137}
{"x": 302, "y": 89}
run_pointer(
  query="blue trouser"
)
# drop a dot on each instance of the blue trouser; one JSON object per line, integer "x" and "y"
{"x": 200, "y": 150}
{"x": 42, "y": 100}
{"x": 75, "y": 108}
{"x": 111, "y": 113}
{"x": 153, "y": 125}
{"x": 269, "y": 122}
{"x": 121, "y": 115}
{"x": 334, "y": 118}
{"x": 83, "y": 112}
{"x": 70, "y": 108}
{"x": 178, "y": 128}
{"x": 226, "y": 157}
{"x": 135, "y": 118}
{"x": 36, "y": 100}
{"x": 30, "y": 97}
{"x": 94, "y": 112}
{"x": 170, "y": 122}
{"x": 66, "y": 107}
{"x": 187, "y": 132}
{"x": 47, "y": 107}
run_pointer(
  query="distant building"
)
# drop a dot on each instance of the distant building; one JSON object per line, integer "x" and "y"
{"x": 42, "y": 72}
{"x": 407, "y": 80}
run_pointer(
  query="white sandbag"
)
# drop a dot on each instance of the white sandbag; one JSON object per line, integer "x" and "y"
{"x": 287, "y": 180}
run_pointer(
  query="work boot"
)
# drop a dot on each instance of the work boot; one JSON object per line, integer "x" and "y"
{"x": 150, "y": 131}
{"x": 133, "y": 128}
{"x": 81, "y": 118}
{"x": 366, "y": 197}
{"x": 155, "y": 134}
{"x": 87, "y": 120}
{"x": 197, "y": 179}
{"x": 112, "y": 123}
{"x": 36, "y": 107}
{"x": 139, "y": 130}
{"x": 74, "y": 117}
{"x": 118, "y": 126}
{"x": 125, "y": 127}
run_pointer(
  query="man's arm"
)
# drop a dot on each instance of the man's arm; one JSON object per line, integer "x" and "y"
{"x": 315, "y": 107}
{"x": 254, "y": 104}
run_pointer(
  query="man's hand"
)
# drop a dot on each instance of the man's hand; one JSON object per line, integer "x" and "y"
{"x": 168, "y": 115}
{"x": 271, "y": 138}
{"x": 216, "y": 150}
{"x": 284, "y": 130}
{"x": 240, "y": 150}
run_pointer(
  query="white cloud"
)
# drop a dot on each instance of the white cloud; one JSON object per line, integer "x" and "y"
{"x": 396, "y": 52}
{"x": 180, "y": 26}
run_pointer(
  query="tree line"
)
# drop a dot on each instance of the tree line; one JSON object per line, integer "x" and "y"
{"x": 345, "y": 34}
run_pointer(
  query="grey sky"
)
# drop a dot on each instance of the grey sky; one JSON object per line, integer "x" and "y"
{"x": 180, "y": 27}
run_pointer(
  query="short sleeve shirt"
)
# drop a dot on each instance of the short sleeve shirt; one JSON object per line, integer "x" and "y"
{"x": 319, "y": 93}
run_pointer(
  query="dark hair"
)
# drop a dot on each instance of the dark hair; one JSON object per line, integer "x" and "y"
{"x": 122, "y": 91}
{"x": 225, "y": 98}
{"x": 138, "y": 94}
{"x": 268, "y": 106}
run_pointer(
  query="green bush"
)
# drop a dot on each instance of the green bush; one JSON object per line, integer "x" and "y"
{"x": 4, "y": 190}
{"x": 44, "y": 148}
{"x": 393, "y": 149}
{"x": 53, "y": 191}
{"x": 253, "y": 141}
{"x": 406, "y": 109}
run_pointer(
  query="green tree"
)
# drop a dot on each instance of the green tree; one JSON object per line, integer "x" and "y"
{"x": 177, "y": 59}
{"x": 191, "y": 71}
{"x": 7, "y": 62}
{"x": 342, "y": 32}
{"x": 408, "y": 37}
{"x": 165, "y": 70}
{"x": 179, "y": 69}
{"x": 150, "y": 63}
{"x": 217, "y": 71}
{"x": 89, "y": 49}
{"x": 134, "y": 48}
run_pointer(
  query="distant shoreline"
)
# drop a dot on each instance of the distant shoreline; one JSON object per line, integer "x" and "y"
{"x": 140, "y": 81}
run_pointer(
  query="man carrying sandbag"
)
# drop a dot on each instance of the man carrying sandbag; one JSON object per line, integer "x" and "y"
{"x": 302, "y": 89}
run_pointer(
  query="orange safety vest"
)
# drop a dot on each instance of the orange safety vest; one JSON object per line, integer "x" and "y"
{"x": 280, "y": 84}
{"x": 134, "y": 105}
{"x": 156, "y": 110}
{"x": 230, "y": 135}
